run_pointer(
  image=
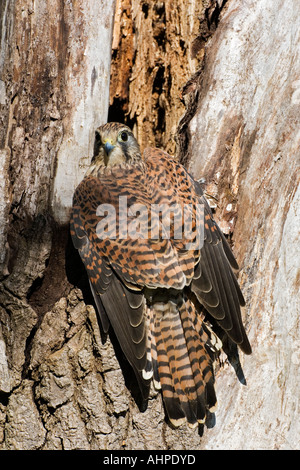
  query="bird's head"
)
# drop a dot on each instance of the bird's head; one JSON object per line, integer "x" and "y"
{"x": 114, "y": 145}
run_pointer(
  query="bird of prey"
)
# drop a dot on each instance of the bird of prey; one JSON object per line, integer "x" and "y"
{"x": 165, "y": 289}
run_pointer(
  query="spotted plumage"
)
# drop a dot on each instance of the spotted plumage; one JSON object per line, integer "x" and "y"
{"x": 160, "y": 292}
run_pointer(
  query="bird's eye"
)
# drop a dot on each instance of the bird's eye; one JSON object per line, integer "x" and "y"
{"x": 124, "y": 136}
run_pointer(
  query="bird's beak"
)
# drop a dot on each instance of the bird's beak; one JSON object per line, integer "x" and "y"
{"x": 108, "y": 147}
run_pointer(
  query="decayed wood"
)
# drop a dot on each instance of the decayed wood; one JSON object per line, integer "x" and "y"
{"x": 156, "y": 49}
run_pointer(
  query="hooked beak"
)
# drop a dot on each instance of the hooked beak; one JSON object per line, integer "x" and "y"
{"x": 108, "y": 146}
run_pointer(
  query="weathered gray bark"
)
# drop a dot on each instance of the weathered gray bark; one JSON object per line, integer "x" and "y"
{"x": 61, "y": 385}
{"x": 245, "y": 140}
{"x": 54, "y": 91}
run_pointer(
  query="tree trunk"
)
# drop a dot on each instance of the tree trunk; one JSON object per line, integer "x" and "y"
{"x": 220, "y": 79}
{"x": 54, "y": 90}
{"x": 245, "y": 140}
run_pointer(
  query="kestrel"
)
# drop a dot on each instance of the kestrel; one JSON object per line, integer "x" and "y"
{"x": 160, "y": 269}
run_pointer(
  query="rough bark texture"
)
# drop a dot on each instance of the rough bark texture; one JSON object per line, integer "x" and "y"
{"x": 245, "y": 140}
{"x": 157, "y": 47}
{"x": 225, "y": 74}
{"x": 54, "y": 91}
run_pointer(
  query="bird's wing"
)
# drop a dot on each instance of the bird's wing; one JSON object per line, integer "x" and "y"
{"x": 214, "y": 282}
{"x": 118, "y": 305}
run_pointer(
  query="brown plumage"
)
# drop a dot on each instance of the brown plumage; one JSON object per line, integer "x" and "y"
{"x": 159, "y": 291}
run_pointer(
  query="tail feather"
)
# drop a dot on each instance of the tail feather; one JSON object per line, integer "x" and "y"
{"x": 182, "y": 360}
{"x": 152, "y": 351}
{"x": 199, "y": 344}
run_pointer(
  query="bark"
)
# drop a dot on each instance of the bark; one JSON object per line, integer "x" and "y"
{"x": 220, "y": 78}
{"x": 54, "y": 89}
{"x": 157, "y": 47}
{"x": 244, "y": 139}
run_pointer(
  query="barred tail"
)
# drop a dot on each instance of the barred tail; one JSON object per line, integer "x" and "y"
{"x": 182, "y": 358}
